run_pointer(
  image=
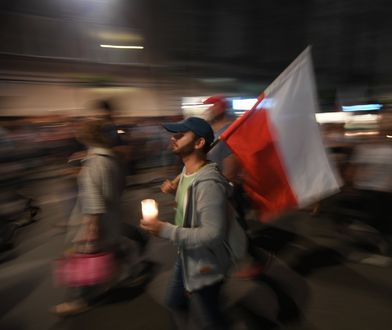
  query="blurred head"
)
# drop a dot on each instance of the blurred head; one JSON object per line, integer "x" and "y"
{"x": 103, "y": 109}
{"x": 190, "y": 134}
{"x": 217, "y": 108}
{"x": 93, "y": 133}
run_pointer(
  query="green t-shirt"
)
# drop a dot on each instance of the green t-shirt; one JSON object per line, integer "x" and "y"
{"x": 182, "y": 198}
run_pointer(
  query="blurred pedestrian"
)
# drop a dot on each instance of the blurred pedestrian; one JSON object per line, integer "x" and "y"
{"x": 217, "y": 114}
{"x": 95, "y": 223}
{"x": 200, "y": 227}
{"x": 371, "y": 170}
{"x": 104, "y": 112}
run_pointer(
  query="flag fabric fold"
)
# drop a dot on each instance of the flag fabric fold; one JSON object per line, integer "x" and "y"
{"x": 279, "y": 145}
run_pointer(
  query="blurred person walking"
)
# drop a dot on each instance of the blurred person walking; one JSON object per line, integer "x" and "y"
{"x": 371, "y": 172}
{"x": 218, "y": 116}
{"x": 104, "y": 111}
{"x": 200, "y": 228}
{"x": 95, "y": 223}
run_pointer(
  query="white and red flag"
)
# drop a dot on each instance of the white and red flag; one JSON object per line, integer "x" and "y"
{"x": 279, "y": 145}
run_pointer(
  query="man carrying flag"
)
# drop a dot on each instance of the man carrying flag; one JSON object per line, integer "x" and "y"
{"x": 279, "y": 145}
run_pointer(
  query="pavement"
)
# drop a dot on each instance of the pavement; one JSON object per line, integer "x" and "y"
{"x": 311, "y": 282}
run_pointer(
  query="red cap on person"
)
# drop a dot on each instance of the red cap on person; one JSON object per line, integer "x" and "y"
{"x": 219, "y": 103}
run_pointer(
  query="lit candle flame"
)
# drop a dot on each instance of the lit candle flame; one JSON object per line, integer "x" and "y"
{"x": 149, "y": 209}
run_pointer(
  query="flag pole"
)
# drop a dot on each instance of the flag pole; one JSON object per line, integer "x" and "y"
{"x": 216, "y": 141}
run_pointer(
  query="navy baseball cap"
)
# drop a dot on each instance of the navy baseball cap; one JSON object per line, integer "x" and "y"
{"x": 197, "y": 125}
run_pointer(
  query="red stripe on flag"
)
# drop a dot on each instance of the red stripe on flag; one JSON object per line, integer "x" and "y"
{"x": 265, "y": 180}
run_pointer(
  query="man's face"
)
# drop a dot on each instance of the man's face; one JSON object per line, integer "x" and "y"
{"x": 183, "y": 144}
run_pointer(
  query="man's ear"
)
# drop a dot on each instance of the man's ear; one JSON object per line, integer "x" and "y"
{"x": 200, "y": 143}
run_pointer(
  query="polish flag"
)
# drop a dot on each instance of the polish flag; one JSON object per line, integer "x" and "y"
{"x": 279, "y": 145}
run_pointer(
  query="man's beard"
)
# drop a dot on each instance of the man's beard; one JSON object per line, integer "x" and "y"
{"x": 185, "y": 150}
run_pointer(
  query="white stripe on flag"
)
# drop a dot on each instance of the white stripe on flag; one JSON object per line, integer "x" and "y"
{"x": 293, "y": 104}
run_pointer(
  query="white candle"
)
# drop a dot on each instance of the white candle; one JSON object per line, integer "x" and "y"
{"x": 149, "y": 209}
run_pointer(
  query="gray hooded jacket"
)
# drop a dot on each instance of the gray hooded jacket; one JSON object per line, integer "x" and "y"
{"x": 201, "y": 240}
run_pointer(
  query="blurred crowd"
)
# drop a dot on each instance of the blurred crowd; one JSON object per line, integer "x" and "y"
{"x": 363, "y": 159}
{"x": 29, "y": 144}
{"x": 41, "y": 146}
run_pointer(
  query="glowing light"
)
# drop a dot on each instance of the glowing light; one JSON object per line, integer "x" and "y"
{"x": 365, "y": 118}
{"x": 122, "y": 47}
{"x": 362, "y": 107}
{"x": 149, "y": 209}
{"x": 243, "y": 104}
{"x": 332, "y": 117}
{"x": 361, "y": 133}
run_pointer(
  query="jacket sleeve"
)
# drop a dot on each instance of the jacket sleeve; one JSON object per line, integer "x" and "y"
{"x": 211, "y": 210}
